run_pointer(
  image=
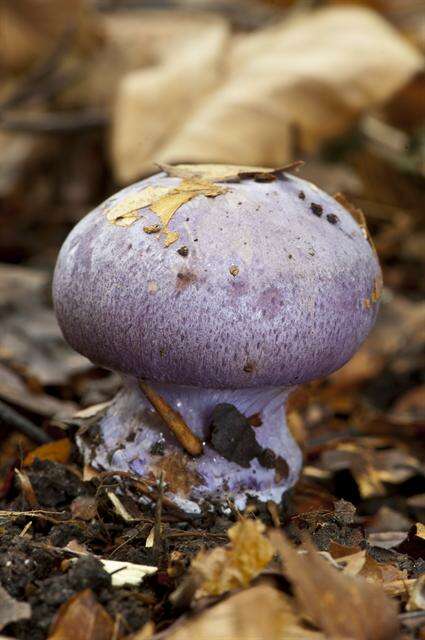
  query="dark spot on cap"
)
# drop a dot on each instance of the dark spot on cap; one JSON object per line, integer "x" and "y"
{"x": 317, "y": 209}
{"x": 332, "y": 218}
{"x": 301, "y": 195}
{"x": 249, "y": 367}
{"x": 185, "y": 278}
{"x": 183, "y": 251}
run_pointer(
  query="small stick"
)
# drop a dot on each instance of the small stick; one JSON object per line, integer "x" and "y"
{"x": 173, "y": 420}
{"x": 12, "y": 418}
{"x": 158, "y": 516}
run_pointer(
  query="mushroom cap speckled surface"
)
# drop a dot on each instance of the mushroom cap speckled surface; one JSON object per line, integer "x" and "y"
{"x": 278, "y": 287}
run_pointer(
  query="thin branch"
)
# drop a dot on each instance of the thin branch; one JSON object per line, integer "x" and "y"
{"x": 66, "y": 122}
{"x": 12, "y": 418}
{"x": 173, "y": 420}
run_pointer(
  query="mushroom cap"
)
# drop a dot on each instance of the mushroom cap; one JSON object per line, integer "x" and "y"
{"x": 279, "y": 286}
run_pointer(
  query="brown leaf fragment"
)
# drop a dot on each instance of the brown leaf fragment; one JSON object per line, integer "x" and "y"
{"x": 233, "y": 567}
{"x": 417, "y": 595}
{"x": 82, "y": 618}
{"x": 227, "y": 172}
{"x": 26, "y": 488}
{"x": 12, "y": 610}
{"x": 56, "y": 451}
{"x": 341, "y": 606}
{"x": 358, "y": 216}
{"x": 257, "y": 613}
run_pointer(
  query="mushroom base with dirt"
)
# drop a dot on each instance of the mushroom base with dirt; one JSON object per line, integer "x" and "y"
{"x": 248, "y": 451}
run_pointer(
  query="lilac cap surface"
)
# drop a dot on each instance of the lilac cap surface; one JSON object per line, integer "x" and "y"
{"x": 268, "y": 284}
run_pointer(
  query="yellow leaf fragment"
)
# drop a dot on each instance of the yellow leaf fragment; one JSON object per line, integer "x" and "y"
{"x": 164, "y": 202}
{"x": 226, "y": 172}
{"x": 126, "y": 211}
{"x": 233, "y": 567}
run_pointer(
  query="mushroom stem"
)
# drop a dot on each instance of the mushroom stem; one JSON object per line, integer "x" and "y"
{"x": 239, "y": 460}
{"x": 173, "y": 420}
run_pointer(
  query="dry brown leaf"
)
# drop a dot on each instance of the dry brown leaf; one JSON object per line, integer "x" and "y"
{"x": 341, "y": 606}
{"x": 12, "y": 610}
{"x": 416, "y": 600}
{"x": 260, "y": 612}
{"x": 82, "y": 618}
{"x": 56, "y": 451}
{"x": 307, "y": 78}
{"x": 153, "y": 103}
{"x": 29, "y": 31}
{"x": 163, "y": 201}
{"x": 227, "y": 568}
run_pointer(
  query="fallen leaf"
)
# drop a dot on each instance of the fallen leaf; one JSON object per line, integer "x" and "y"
{"x": 227, "y": 568}
{"x": 344, "y": 60}
{"x": 416, "y": 600}
{"x": 260, "y": 612}
{"x": 127, "y": 572}
{"x": 12, "y": 610}
{"x": 153, "y": 103}
{"x": 164, "y": 201}
{"x": 341, "y": 606}
{"x": 226, "y": 172}
{"x": 82, "y": 618}
{"x": 55, "y": 451}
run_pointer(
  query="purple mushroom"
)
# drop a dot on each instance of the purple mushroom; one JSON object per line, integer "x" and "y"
{"x": 221, "y": 289}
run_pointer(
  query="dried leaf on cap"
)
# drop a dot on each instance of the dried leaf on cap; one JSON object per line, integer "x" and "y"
{"x": 226, "y": 172}
{"x": 163, "y": 201}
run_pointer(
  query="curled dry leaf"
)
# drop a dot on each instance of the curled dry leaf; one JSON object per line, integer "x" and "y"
{"x": 341, "y": 606}
{"x": 311, "y": 76}
{"x": 258, "y": 612}
{"x": 224, "y": 569}
{"x": 163, "y": 201}
{"x": 12, "y": 610}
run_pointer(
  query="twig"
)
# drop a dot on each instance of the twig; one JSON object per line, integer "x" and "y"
{"x": 173, "y": 420}
{"x": 12, "y": 418}
{"x": 158, "y": 525}
{"x": 66, "y": 122}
